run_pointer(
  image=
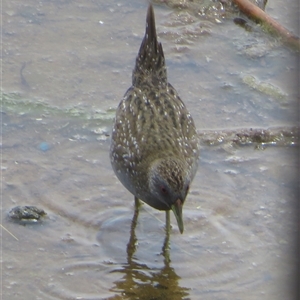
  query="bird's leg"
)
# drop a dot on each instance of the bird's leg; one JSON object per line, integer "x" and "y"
{"x": 166, "y": 246}
{"x": 131, "y": 246}
{"x": 168, "y": 225}
{"x": 137, "y": 202}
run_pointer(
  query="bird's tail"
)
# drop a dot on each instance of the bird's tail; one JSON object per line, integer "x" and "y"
{"x": 150, "y": 62}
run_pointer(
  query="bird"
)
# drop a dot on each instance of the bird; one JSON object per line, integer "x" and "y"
{"x": 154, "y": 148}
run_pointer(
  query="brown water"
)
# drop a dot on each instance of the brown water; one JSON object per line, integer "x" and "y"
{"x": 66, "y": 64}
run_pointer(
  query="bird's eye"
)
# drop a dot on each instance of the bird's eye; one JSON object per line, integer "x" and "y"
{"x": 163, "y": 190}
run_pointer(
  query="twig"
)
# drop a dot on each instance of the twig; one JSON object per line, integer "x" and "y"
{"x": 258, "y": 15}
{"x": 9, "y": 232}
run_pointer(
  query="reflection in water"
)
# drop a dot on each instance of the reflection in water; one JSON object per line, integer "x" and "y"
{"x": 142, "y": 282}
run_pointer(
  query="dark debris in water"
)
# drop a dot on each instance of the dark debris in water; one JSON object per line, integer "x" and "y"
{"x": 28, "y": 214}
{"x": 279, "y": 136}
{"x": 243, "y": 23}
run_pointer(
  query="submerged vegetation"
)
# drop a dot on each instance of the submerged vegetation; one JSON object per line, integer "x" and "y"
{"x": 13, "y": 104}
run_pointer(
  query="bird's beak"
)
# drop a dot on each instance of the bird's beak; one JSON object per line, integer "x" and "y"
{"x": 177, "y": 210}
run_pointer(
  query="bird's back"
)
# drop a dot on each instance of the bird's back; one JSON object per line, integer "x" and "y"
{"x": 151, "y": 121}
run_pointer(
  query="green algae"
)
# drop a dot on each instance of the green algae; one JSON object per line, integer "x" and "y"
{"x": 264, "y": 87}
{"x": 14, "y": 103}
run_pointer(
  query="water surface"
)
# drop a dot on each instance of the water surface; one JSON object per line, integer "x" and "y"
{"x": 66, "y": 65}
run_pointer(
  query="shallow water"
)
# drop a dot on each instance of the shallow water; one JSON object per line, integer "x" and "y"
{"x": 66, "y": 64}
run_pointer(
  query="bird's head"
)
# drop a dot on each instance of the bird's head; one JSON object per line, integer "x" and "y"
{"x": 169, "y": 185}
